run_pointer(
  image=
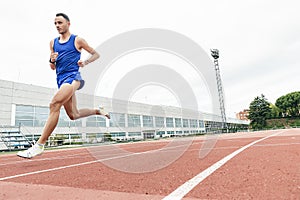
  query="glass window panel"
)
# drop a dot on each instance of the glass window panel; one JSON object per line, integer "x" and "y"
{"x": 63, "y": 123}
{"x": 24, "y": 122}
{"x": 134, "y": 120}
{"x": 160, "y": 133}
{"x": 147, "y": 121}
{"x": 118, "y": 134}
{"x": 96, "y": 121}
{"x": 76, "y": 123}
{"x": 24, "y": 108}
{"x": 185, "y": 123}
{"x": 40, "y": 119}
{"x": 178, "y": 122}
{"x": 201, "y": 124}
{"x": 159, "y": 122}
{"x": 22, "y": 116}
{"x": 63, "y": 119}
{"x": 193, "y": 123}
{"x": 117, "y": 120}
{"x": 169, "y": 122}
{"x": 42, "y": 110}
{"x": 101, "y": 123}
{"x": 130, "y": 134}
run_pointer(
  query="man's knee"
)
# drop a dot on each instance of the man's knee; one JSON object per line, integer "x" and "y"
{"x": 72, "y": 116}
{"x": 55, "y": 105}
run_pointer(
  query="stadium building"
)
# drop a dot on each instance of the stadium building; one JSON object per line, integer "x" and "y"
{"x": 24, "y": 110}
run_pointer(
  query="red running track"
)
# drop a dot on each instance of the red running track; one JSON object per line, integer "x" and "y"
{"x": 254, "y": 165}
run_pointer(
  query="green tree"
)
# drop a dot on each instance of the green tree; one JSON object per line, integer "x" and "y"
{"x": 289, "y": 104}
{"x": 259, "y": 112}
{"x": 275, "y": 111}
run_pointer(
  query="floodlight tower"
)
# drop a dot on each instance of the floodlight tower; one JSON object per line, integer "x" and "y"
{"x": 215, "y": 55}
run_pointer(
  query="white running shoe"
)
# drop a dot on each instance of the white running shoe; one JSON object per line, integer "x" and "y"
{"x": 103, "y": 112}
{"x": 32, "y": 151}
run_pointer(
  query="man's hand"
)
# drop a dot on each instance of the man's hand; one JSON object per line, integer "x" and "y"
{"x": 80, "y": 63}
{"x": 53, "y": 56}
{"x": 52, "y": 66}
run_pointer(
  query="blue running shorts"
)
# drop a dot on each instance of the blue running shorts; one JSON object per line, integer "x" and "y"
{"x": 69, "y": 78}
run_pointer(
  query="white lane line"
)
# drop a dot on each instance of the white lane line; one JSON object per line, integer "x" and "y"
{"x": 128, "y": 154}
{"x": 99, "y": 149}
{"x": 182, "y": 190}
{"x": 62, "y": 167}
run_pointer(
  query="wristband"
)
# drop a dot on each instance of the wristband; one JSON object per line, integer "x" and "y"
{"x": 52, "y": 62}
{"x": 86, "y": 62}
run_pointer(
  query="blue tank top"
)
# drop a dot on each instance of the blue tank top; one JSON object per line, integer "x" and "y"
{"x": 68, "y": 56}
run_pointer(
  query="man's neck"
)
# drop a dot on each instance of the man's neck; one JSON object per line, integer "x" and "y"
{"x": 64, "y": 37}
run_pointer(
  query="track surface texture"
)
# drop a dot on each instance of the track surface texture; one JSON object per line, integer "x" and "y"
{"x": 247, "y": 165}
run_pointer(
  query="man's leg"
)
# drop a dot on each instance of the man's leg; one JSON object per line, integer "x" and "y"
{"x": 63, "y": 95}
{"x": 72, "y": 111}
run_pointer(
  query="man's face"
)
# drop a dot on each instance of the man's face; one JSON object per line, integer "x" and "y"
{"x": 62, "y": 25}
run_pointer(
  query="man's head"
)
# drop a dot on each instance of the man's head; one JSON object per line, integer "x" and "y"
{"x": 62, "y": 23}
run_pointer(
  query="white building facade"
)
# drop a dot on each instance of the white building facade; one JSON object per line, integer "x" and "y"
{"x": 27, "y": 106}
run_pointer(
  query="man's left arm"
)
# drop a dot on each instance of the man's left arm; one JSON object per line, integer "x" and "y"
{"x": 82, "y": 44}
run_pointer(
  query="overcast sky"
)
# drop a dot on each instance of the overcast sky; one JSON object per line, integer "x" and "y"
{"x": 259, "y": 41}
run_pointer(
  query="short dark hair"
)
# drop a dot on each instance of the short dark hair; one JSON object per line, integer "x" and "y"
{"x": 63, "y": 15}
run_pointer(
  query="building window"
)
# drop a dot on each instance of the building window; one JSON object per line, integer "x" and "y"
{"x": 132, "y": 134}
{"x": 96, "y": 121}
{"x": 147, "y": 121}
{"x": 169, "y": 122}
{"x": 118, "y": 134}
{"x": 37, "y": 116}
{"x": 178, "y": 122}
{"x": 160, "y": 133}
{"x": 201, "y": 124}
{"x": 64, "y": 120}
{"x": 41, "y": 116}
{"x": 170, "y": 133}
{"x": 185, "y": 123}
{"x": 193, "y": 123}
{"x": 134, "y": 121}
{"x": 178, "y": 132}
{"x": 159, "y": 122}
{"x": 117, "y": 120}
{"x": 24, "y": 115}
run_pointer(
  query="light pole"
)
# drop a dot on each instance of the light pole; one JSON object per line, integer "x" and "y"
{"x": 215, "y": 55}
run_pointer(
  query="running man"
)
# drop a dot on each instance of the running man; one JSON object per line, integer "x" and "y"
{"x": 65, "y": 59}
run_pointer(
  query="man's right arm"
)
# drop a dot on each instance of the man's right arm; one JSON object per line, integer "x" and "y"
{"x": 53, "y": 56}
